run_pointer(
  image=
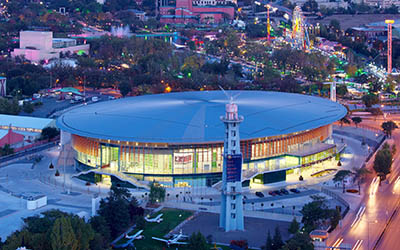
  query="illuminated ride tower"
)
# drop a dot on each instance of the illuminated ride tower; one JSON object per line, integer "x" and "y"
{"x": 231, "y": 216}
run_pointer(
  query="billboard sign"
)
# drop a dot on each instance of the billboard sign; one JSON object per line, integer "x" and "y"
{"x": 234, "y": 168}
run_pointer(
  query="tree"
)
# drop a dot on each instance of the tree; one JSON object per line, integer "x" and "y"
{"x": 335, "y": 24}
{"x": 310, "y": 6}
{"x": 83, "y": 231}
{"x": 102, "y": 235}
{"x": 351, "y": 70}
{"x": 344, "y": 120}
{"x": 300, "y": 241}
{"x": 125, "y": 87}
{"x": 157, "y": 193}
{"x": 115, "y": 210}
{"x": 341, "y": 90}
{"x": 370, "y": 99}
{"x": 28, "y": 107}
{"x": 197, "y": 241}
{"x": 277, "y": 241}
{"x": 294, "y": 226}
{"x": 268, "y": 244}
{"x": 49, "y": 133}
{"x": 383, "y": 161}
{"x": 6, "y": 150}
{"x": 356, "y": 120}
{"x": 314, "y": 213}
{"x": 359, "y": 175}
{"x": 375, "y": 112}
{"x": 393, "y": 9}
{"x": 341, "y": 175}
{"x": 388, "y": 127}
{"x": 62, "y": 236}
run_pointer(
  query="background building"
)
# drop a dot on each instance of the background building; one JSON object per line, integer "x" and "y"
{"x": 40, "y": 45}
{"x": 189, "y": 11}
{"x": 29, "y": 127}
{"x": 177, "y": 139}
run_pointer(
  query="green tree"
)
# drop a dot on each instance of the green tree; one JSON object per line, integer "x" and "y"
{"x": 268, "y": 243}
{"x": 197, "y": 241}
{"x": 115, "y": 210}
{"x": 28, "y": 107}
{"x": 314, "y": 213}
{"x": 49, "y": 133}
{"x": 300, "y": 241}
{"x": 341, "y": 90}
{"x": 84, "y": 232}
{"x": 356, "y": 120}
{"x": 157, "y": 193}
{"x": 6, "y": 150}
{"x": 375, "y": 112}
{"x": 344, "y": 120}
{"x": 62, "y": 236}
{"x": 102, "y": 236}
{"x": 310, "y": 6}
{"x": 359, "y": 175}
{"x": 341, "y": 175}
{"x": 277, "y": 241}
{"x": 294, "y": 226}
{"x": 335, "y": 24}
{"x": 370, "y": 99}
{"x": 383, "y": 161}
{"x": 125, "y": 87}
{"x": 388, "y": 127}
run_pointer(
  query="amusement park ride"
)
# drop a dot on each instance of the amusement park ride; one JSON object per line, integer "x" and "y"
{"x": 300, "y": 36}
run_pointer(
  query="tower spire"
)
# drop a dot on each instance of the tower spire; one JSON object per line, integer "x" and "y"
{"x": 231, "y": 216}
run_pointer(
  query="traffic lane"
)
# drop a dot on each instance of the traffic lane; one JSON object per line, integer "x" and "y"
{"x": 390, "y": 238}
{"x": 370, "y": 226}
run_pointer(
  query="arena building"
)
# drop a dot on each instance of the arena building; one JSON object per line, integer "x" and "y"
{"x": 176, "y": 139}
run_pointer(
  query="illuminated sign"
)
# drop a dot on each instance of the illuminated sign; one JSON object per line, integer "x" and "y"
{"x": 233, "y": 168}
{"x": 183, "y": 159}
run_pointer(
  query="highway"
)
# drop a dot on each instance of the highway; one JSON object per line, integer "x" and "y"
{"x": 381, "y": 203}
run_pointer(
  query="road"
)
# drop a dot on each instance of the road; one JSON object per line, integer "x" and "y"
{"x": 379, "y": 207}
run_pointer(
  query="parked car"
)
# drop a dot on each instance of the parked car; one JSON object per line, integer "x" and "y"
{"x": 295, "y": 190}
{"x": 272, "y": 193}
{"x": 259, "y": 194}
{"x": 278, "y": 192}
{"x": 284, "y": 191}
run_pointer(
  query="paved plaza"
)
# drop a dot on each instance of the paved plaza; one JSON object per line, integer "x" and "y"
{"x": 24, "y": 179}
{"x": 255, "y": 229}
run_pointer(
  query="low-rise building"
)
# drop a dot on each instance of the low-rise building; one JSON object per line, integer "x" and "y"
{"x": 30, "y": 127}
{"x": 189, "y": 11}
{"x": 36, "y": 46}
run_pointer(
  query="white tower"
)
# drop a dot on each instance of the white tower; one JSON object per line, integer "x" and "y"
{"x": 333, "y": 91}
{"x": 231, "y": 216}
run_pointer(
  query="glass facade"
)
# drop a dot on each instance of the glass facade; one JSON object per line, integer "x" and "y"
{"x": 161, "y": 162}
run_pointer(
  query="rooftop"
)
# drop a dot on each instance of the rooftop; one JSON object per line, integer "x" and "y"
{"x": 194, "y": 117}
{"x": 24, "y": 121}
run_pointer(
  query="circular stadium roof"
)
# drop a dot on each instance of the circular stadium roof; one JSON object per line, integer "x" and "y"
{"x": 194, "y": 117}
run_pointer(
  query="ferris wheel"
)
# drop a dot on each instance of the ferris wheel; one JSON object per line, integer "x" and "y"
{"x": 299, "y": 29}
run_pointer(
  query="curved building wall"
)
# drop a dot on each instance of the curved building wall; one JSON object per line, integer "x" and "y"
{"x": 152, "y": 159}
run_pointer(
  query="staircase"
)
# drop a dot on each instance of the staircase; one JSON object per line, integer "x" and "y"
{"x": 116, "y": 174}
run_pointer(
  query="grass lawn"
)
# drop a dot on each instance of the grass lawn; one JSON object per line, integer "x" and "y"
{"x": 171, "y": 219}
